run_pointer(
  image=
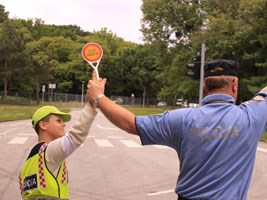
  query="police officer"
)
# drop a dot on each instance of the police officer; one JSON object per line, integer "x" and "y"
{"x": 216, "y": 143}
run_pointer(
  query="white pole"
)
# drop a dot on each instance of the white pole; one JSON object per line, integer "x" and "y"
{"x": 201, "y": 73}
{"x": 82, "y": 93}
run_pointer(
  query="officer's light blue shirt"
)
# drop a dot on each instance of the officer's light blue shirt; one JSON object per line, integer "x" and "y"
{"x": 216, "y": 144}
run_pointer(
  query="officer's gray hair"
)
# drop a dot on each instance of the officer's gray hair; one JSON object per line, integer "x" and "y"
{"x": 218, "y": 82}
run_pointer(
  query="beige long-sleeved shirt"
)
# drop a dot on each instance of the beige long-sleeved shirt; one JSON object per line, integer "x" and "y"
{"x": 59, "y": 149}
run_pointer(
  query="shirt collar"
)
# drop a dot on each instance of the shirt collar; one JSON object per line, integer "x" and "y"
{"x": 218, "y": 97}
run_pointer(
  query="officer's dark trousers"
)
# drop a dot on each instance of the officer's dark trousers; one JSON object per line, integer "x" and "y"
{"x": 182, "y": 198}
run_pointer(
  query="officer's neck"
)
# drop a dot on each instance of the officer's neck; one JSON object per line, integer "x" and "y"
{"x": 229, "y": 91}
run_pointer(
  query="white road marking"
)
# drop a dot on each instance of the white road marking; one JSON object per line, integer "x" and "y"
{"x": 103, "y": 143}
{"x": 108, "y": 128}
{"x": 115, "y": 137}
{"x": 161, "y": 147}
{"x": 130, "y": 143}
{"x": 12, "y": 124}
{"x": 6, "y": 132}
{"x": 18, "y": 140}
{"x": 159, "y": 193}
{"x": 27, "y": 134}
{"x": 262, "y": 149}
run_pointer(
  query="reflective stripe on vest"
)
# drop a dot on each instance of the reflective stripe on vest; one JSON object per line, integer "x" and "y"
{"x": 36, "y": 181}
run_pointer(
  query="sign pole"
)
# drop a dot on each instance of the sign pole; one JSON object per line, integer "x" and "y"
{"x": 201, "y": 73}
{"x": 43, "y": 91}
{"x": 82, "y": 93}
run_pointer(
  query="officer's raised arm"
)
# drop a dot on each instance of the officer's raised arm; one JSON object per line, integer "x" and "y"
{"x": 118, "y": 115}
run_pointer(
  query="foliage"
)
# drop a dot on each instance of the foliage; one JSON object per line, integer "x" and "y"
{"x": 33, "y": 53}
{"x": 11, "y": 51}
{"x": 236, "y": 31}
{"x": 170, "y": 21}
{"x": 264, "y": 137}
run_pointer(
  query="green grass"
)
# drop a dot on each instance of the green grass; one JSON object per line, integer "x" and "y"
{"x": 146, "y": 111}
{"x": 9, "y": 113}
{"x": 12, "y": 112}
{"x": 264, "y": 137}
{"x": 20, "y": 112}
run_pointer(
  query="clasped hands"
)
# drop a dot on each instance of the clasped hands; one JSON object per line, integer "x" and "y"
{"x": 95, "y": 87}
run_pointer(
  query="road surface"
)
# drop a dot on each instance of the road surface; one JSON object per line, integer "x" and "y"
{"x": 110, "y": 165}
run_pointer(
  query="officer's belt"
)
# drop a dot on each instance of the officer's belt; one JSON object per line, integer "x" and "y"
{"x": 181, "y": 198}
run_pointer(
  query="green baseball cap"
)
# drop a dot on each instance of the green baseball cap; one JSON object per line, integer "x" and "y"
{"x": 44, "y": 111}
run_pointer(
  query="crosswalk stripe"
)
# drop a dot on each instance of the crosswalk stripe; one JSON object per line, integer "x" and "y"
{"x": 160, "y": 192}
{"x": 115, "y": 137}
{"x": 103, "y": 143}
{"x": 27, "y": 134}
{"x": 262, "y": 149}
{"x": 4, "y": 133}
{"x": 107, "y": 128}
{"x": 161, "y": 147}
{"x": 18, "y": 140}
{"x": 12, "y": 124}
{"x": 99, "y": 142}
{"x": 130, "y": 143}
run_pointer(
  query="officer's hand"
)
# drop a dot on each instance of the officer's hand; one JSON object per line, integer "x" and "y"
{"x": 95, "y": 87}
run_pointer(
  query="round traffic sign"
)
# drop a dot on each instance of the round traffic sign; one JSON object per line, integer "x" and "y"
{"x": 92, "y": 52}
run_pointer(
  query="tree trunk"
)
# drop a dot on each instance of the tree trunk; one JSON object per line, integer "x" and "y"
{"x": 37, "y": 94}
{"x": 4, "y": 97}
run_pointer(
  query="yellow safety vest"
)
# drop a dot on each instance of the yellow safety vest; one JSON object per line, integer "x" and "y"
{"x": 36, "y": 181}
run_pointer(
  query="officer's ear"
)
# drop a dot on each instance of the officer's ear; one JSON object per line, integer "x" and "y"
{"x": 235, "y": 85}
{"x": 205, "y": 88}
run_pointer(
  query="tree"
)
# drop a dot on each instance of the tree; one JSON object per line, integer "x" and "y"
{"x": 3, "y": 14}
{"x": 52, "y": 60}
{"x": 171, "y": 21}
{"x": 40, "y": 62}
{"x": 169, "y": 26}
{"x": 11, "y": 48}
{"x": 137, "y": 72}
{"x": 113, "y": 47}
{"x": 236, "y": 31}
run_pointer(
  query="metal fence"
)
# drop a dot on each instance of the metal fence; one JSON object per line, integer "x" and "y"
{"x": 25, "y": 98}
{"x": 44, "y": 97}
{"x": 132, "y": 101}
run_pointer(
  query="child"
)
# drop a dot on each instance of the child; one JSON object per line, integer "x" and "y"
{"x": 44, "y": 174}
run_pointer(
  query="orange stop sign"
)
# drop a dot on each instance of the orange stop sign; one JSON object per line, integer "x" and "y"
{"x": 92, "y": 52}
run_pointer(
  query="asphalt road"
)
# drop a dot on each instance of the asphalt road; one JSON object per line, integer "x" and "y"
{"x": 110, "y": 165}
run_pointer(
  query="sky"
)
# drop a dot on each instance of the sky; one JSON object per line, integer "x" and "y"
{"x": 121, "y": 17}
